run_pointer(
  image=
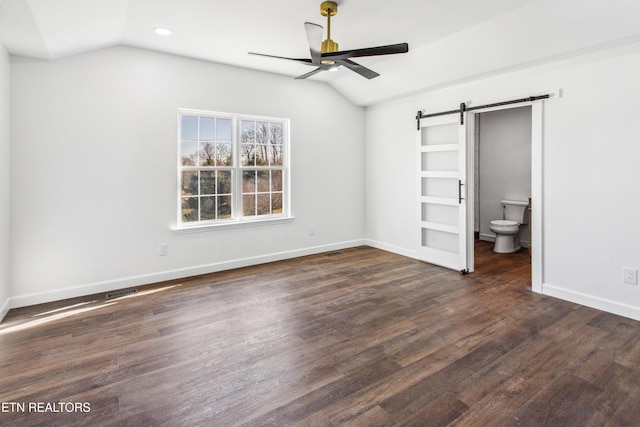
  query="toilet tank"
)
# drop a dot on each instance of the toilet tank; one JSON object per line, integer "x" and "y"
{"x": 515, "y": 210}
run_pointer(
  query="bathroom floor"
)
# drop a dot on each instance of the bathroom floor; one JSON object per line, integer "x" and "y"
{"x": 518, "y": 262}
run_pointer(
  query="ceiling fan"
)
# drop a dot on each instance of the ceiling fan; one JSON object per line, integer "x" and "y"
{"x": 325, "y": 55}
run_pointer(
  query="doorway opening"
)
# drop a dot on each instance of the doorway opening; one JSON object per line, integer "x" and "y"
{"x": 503, "y": 170}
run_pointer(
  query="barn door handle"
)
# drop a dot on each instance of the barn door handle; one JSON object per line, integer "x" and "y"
{"x": 460, "y": 199}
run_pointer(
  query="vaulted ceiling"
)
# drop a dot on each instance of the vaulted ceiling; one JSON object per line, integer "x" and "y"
{"x": 450, "y": 41}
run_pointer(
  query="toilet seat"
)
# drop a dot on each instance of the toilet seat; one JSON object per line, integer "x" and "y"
{"x": 504, "y": 225}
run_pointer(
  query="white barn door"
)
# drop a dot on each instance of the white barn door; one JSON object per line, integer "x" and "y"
{"x": 446, "y": 192}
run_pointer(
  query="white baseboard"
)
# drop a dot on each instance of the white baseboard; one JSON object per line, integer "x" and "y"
{"x": 391, "y": 248}
{"x": 626, "y": 310}
{"x": 488, "y": 237}
{"x": 145, "y": 279}
{"x": 492, "y": 238}
{"x": 615, "y": 307}
{"x": 4, "y": 309}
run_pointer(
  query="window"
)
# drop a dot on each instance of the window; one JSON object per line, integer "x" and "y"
{"x": 232, "y": 168}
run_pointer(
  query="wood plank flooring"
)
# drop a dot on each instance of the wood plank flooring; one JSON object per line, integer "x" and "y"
{"x": 359, "y": 337}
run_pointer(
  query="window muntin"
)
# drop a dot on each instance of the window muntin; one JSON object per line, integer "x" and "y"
{"x": 216, "y": 185}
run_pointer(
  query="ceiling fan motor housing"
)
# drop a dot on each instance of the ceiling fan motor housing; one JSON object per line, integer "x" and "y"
{"x": 329, "y": 46}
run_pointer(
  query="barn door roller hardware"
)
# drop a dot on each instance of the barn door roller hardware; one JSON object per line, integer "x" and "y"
{"x": 463, "y": 108}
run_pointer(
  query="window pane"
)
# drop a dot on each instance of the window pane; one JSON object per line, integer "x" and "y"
{"x": 189, "y": 153}
{"x": 207, "y": 127}
{"x": 276, "y": 203}
{"x": 275, "y": 155}
{"x": 249, "y": 205}
{"x": 224, "y": 155}
{"x": 276, "y": 133}
{"x": 189, "y": 209}
{"x": 248, "y": 181}
{"x": 262, "y": 156}
{"x": 207, "y": 154}
{"x": 189, "y": 128}
{"x": 264, "y": 204}
{"x": 207, "y": 208}
{"x": 276, "y": 180}
{"x": 224, "y": 207}
{"x": 224, "y": 182}
{"x": 247, "y": 132}
{"x": 189, "y": 183}
{"x": 248, "y": 155}
{"x": 207, "y": 183}
{"x": 263, "y": 181}
{"x": 262, "y": 132}
{"x": 223, "y": 130}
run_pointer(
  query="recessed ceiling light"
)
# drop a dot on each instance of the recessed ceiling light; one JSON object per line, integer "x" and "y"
{"x": 162, "y": 31}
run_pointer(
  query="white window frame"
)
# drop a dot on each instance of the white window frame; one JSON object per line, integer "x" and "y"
{"x": 237, "y": 218}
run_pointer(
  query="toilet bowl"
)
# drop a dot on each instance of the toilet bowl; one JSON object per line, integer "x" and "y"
{"x": 507, "y": 230}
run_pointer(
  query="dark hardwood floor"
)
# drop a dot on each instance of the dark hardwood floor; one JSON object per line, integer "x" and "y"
{"x": 359, "y": 337}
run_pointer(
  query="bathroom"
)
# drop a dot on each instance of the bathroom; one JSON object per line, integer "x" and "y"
{"x": 502, "y": 168}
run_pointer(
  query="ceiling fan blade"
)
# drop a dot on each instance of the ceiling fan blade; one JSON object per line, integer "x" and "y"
{"x": 353, "y": 66}
{"x": 310, "y": 73}
{"x": 302, "y": 60}
{"x": 314, "y": 37}
{"x": 369, "y": 51}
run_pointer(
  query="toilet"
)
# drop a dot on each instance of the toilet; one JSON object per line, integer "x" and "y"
{"x": 507, "y": 230}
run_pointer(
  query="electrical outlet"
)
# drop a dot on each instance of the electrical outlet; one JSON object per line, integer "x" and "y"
{"x": 163, "y": 249}
{"x": 630, "y": 275}
{"x": 312, "y": 230}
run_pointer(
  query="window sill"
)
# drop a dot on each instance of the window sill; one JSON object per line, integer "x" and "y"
{"x": 231, "y": 225}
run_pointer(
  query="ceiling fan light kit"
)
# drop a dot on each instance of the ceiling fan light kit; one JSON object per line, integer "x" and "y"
{"x": 325, "y": 54}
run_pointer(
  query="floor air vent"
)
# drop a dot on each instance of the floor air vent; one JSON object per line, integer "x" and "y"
{"x": 121, "y": 293}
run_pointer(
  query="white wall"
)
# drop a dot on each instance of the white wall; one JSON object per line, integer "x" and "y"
{"x": 504, "y": 165}
{"x": 94, "y": 170}
{"x": 591, "y": 200}
{"x": 5, "y": 190}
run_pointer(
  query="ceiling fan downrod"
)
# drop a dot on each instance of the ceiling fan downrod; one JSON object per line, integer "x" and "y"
{"x": 329, "y": 9}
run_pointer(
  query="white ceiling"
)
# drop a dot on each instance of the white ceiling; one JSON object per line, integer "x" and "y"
{"x": 449, "y": 40}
